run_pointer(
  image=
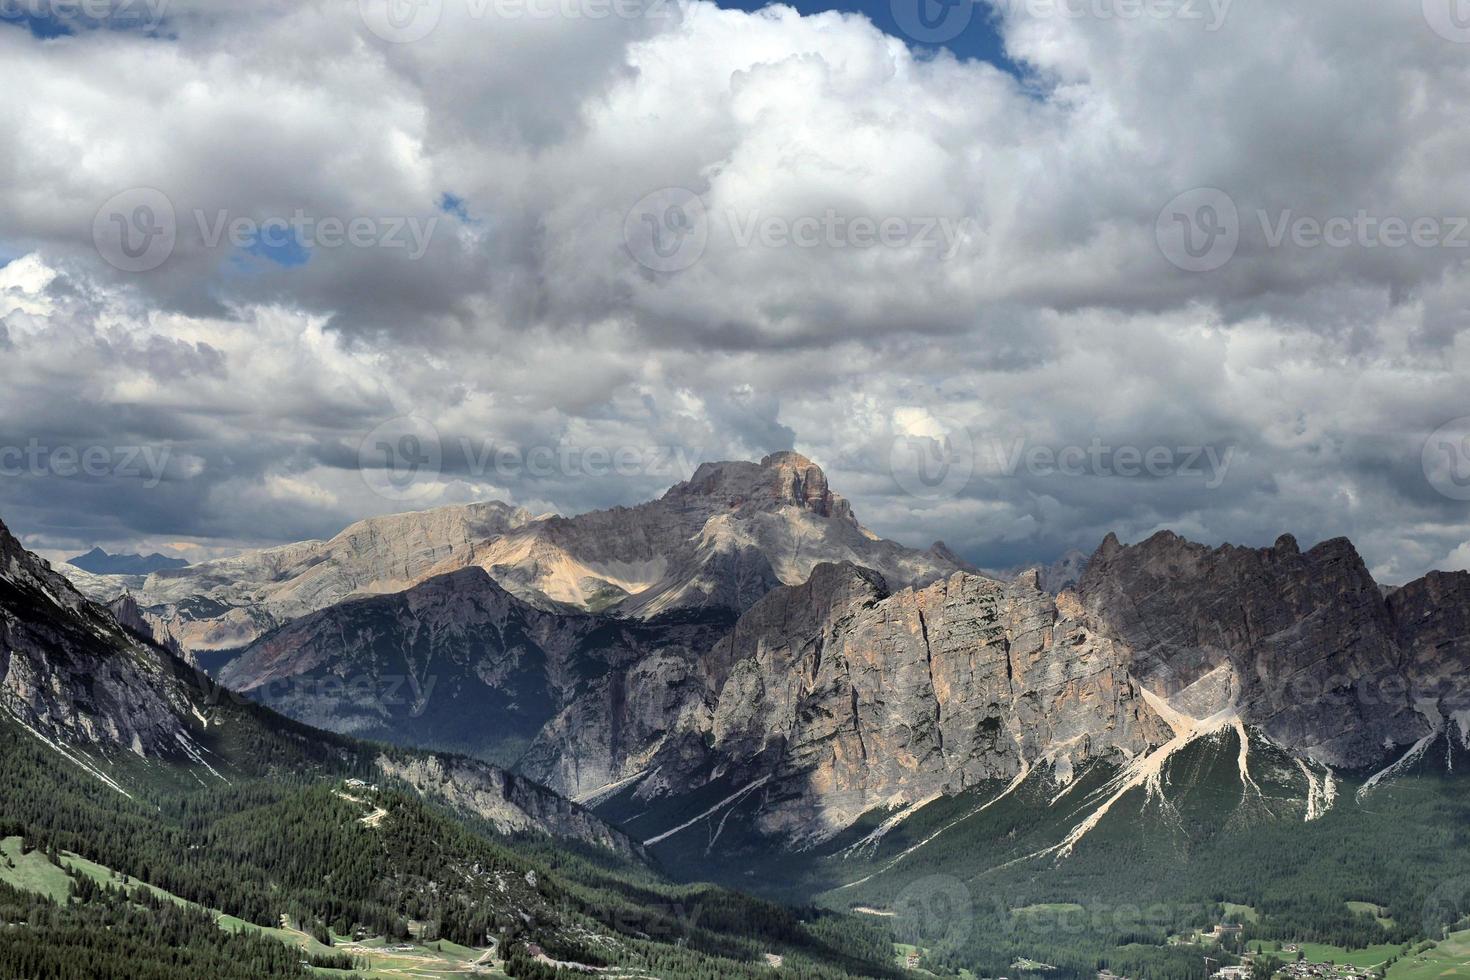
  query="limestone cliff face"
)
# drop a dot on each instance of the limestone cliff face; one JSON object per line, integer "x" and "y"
{"x": 895, "y": 698}
{"x": 1303, "y": 644}
{"x": 842, "y": 697}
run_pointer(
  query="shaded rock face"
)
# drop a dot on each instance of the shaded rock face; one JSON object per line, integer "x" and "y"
{"x": 71, "y": 673}
{"x": 1305, "y": 644}
{"x": 455, "y": 663}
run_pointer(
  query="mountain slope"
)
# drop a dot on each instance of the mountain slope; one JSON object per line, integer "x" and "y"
{"x": 834, "y": 704}
{"x": 1304, "y": 643}
{"x": 833, "y": 698}
{"x": 99, "y": 695}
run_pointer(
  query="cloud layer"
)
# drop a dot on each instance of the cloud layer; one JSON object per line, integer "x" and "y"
{"x": 1201, "y": 266}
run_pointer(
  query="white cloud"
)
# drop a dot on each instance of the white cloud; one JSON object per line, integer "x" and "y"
{"x": 1022, "y": 290}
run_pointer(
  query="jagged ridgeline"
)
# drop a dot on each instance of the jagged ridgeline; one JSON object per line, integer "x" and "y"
{"x": 153, "y": 824}
{"x": 1072, "y": 767}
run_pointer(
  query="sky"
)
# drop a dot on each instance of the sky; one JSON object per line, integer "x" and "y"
{"x": 1014, "y": 274}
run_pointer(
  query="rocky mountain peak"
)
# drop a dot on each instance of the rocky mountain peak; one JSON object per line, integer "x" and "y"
{"x": 780, "y": 479}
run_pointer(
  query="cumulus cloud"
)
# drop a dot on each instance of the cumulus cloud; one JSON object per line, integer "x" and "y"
{"x": 1228, "y": 244}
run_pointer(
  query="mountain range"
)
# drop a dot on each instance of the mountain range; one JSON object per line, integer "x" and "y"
{"x": 99, "y": 562}
{"x": 739, "y": 682}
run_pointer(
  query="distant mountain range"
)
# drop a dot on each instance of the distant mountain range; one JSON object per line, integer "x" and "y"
{"x": 99, "y": 562}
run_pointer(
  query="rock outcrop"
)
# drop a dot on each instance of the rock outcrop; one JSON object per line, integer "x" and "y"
{"x": 510, "y": 803}
{"x": 70, "y": 672}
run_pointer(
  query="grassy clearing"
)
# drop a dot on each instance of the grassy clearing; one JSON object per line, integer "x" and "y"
{"x": 1241, "y": 913}
{"x": 32, "y": 872}
{"x": 1379, "y": 913}
{"x": 1450, "y": 958}
{"x": 1369, "y": 957}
